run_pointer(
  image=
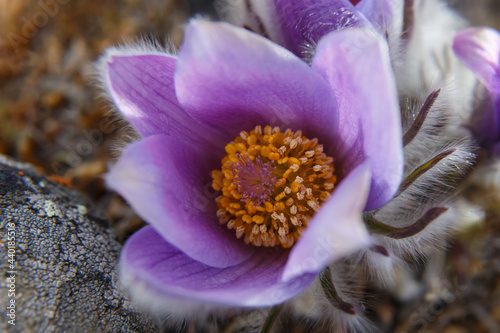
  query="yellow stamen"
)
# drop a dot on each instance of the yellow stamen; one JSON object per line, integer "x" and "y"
{"x": 271, "y": 184}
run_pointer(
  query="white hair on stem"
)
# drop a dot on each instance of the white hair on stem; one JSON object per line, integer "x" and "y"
{"x": 313, "y": 305}
{"x": 378, "y": 267}
{"x": 440, "y": 134}
{"x": 426, "y": 242}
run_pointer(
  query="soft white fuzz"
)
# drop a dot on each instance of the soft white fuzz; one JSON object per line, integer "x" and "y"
{"x": 423, "y": 63}
{"x": 313, "y": 305}
{"x": 141, "y": 46}
{"x": 435, "y": 188}
{"x": 256, "y": 15}
{"x": 428, "y": 57}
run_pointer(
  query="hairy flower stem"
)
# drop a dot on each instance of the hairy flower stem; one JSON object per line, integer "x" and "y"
{"x": 408, "y": 19}
{"x": 423, "y": 169}
{"x": 422, "y": 115}
{"x": 411, "y": 230}
{"x": 331, "y": 293}
{"x": 273, "y": 314}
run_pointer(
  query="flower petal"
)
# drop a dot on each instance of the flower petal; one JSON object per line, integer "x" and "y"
{"x": 485, "y": 121}
{"x": 167, "y": 182}
{"x": 479, "y": 49}
{"x": 336, "y": 230}
{"x": 356, "y": 64}
{"x": 378, "y": 12}
{"x": 233, "y": 80}
{"x": 149, "y": 259}
{"x": 304, "y": 22}
{"x": 143, "y": 89}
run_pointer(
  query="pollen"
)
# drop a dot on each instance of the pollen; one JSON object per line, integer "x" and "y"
{"x": 271, "y": 184}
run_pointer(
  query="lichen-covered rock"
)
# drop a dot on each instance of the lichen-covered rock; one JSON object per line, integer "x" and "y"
{"x": 58, "y": 260}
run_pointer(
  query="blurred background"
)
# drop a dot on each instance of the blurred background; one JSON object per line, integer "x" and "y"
{"x": 52, "y": 116}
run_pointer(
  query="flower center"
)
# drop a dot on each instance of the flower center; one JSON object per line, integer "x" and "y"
{"x": 253, "y": 178}
{"x": 272, "y": 183}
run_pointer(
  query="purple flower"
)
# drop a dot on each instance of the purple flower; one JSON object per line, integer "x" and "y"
{"x": 303, "y": 23}
{"x": 208, "y": 104}
{"x": 479, "y": 49}
{"x": 299, "y": 25}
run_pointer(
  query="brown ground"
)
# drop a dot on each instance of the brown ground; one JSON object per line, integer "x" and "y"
{"x": 50, "y": 112}
{"x": 51, "y": 116}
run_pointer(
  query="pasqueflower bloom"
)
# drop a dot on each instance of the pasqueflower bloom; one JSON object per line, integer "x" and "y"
{"x": 254, "y": 168}
{"x": 435, "y": 90}
{"x": 479, "y": 49}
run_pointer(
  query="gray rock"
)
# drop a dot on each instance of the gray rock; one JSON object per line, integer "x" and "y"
{"x": 63, "y": 271}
